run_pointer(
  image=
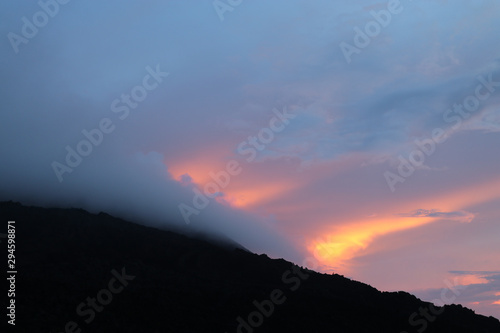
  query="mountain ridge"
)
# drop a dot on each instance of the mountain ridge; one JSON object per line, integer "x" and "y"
{"x": 184, "y": 284}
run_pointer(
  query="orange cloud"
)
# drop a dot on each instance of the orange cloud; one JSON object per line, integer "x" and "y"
{"x": 496, "y": 303}
{"x": 466, "y": 196}
{"x": 466, "y": 280}
{"x": 256, "y": 184}
{"x": 345, "y": 242}
{"x": 336, "y": 246}
{"x": 248, "y": 196}
{"x": 267, "y": 186}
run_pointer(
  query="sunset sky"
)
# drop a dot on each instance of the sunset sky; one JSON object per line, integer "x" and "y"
{"x": 360, "y": 137}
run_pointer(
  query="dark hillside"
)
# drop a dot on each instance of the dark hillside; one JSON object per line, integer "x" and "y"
{"x": 95, "y": 273}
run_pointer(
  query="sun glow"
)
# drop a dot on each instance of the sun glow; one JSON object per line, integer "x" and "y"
{"x": 249, "y": 196}
{"x": 344, "y": 243}
{"x": 467, "y": 280}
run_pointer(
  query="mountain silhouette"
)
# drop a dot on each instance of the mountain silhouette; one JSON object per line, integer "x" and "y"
{"x": 82, "y": 272}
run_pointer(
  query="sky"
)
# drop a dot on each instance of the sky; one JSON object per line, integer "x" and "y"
{"x": 359, "y": 137}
